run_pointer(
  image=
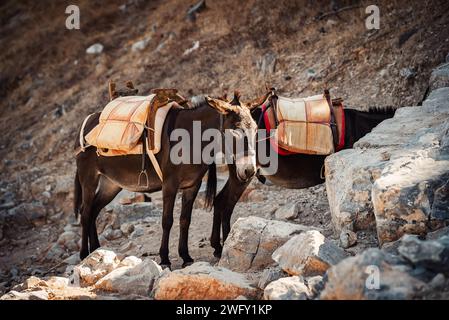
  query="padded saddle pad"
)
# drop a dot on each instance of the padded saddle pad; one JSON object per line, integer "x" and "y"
{"x": 304, "y": 125}
{"x": 121, "y": 123}
{"x": 161, "y": 114}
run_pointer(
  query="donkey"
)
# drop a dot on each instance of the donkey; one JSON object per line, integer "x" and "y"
{"x": 99, "y": 179}
{"x": 295, "y": 171}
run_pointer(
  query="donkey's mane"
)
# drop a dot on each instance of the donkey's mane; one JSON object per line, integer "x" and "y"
{"x": 197, "y": 101}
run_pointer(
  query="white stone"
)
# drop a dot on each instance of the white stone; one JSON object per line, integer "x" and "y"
{"x": 96, "y": 48}
{"x": 290, "y": 288}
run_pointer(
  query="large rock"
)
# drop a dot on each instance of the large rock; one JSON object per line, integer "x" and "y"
{"x": 30, "y": 295}
{"x": 95, "y": 266}
{"x": 33, "y": 214}
{"x": 252, "y": 241}
{"x": 287, "y": 212}
{"x": 201, "y": 281}
{"x": 308, "y": 254}
{"x": 129, "y": 279}
{"x": 396, "y": 178}
{"x": 373, "y": 274}
{"x": 431, "y": 254}
{"x": 440, "y": 77}
{"x": 290, "y": 288}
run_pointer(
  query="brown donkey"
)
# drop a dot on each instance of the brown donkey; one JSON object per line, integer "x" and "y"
{"x": 99, "y": 179}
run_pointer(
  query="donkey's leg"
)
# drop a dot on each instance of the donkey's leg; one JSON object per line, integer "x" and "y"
{"x": 216, "y": 226}
{"x": 227, "y": 201}
{"x": 188, "y": 197}
{"x": 105, "y": 194}
{"x": 89, "y": 182}
{"x": 169, "y": 196}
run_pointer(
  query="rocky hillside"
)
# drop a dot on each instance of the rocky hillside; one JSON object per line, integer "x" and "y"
{"x": 393, "y": 182}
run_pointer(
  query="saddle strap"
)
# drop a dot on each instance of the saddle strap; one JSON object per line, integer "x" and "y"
{"x": 154, "y": 162}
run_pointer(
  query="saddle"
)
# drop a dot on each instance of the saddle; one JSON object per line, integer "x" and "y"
{"x": 133, "y": 124}
{"x": 311, "y": 125}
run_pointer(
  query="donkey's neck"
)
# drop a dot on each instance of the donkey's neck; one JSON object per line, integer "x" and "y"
{"x": 208, "y": 117}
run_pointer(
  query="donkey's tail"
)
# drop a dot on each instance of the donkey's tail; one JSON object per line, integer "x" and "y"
{"x": 78, "y": 194}
{"x": 211, "y": 187}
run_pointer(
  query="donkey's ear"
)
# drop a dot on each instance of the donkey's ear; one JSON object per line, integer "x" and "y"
{"x": 112, "y": 91}
{"x": 129, "y": 84}
{"x": 236, "y": 99}
{"x": 221, "y": 106}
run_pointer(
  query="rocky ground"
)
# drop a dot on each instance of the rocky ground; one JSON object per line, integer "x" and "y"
{"x": 392, "y": 184}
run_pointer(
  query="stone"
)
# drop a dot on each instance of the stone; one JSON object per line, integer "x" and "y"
{"x": 289, "y": 288}
{"x": 201, "y": 281}
{"x": 69, "y": 240}
{"x": 408, "y": 73}
{"x": 394, "y": 195}
{"x": 315, "y": 285}
{"x": 32, "y": 295}
{"x": 55, "y": 252}
{"x": 130, "y": 261}
{"x": 439, "y": 77}
{"x": 96, "y": 48}
{"x": 269, "y": 275}
{"x": 137, "y": 279}
{"x": 59, "y": 283}
{"x": 195, "y": 46}
{"x": 33, "y": 214}
{"x": 127, "y": 228}
{"x": 135, "y": 211}
{"x": 267, "y": 63}
{"x": 140, "y": 45}
{"x": 348, "y": 238}
{"x": 138, "y": 232}
{"x": 430, "y": 254}
{"x": 373, "y": 274}
{"x": 287, "y": 212}
{"x": 73, "y": 259}
{"x": 252, "y": 241}
{"x": 95, "y": 266}
{"x": 111, "y": 234}
{"x": 30, "y": 283}
{"x": 308, "y": 254}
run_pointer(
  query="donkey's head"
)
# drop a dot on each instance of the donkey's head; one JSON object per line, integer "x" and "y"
{"x": 240, "y": 132}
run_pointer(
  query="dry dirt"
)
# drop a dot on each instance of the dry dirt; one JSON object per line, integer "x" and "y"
{"x": 48, "y": 84}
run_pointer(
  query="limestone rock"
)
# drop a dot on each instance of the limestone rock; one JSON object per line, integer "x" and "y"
{"x": 69, "y": 240}
{"x": 373, "y": 274}
{"x": 287, "y": 212}
{"x": 403, "y": 191}
{"x": 269, "y": 275}
{"x": 348, "y": 238}
{"x": 96, "y": 48}
{"x": 290, "y": 288}
{"x": 95, "y": 266}
{"x": 31, "y": 295}
{"x": 440, "y": 77}
{"x": 201, "y": 281}
{"x": 137, "y": 279}
{"x": 308, "y": 254}
{"x": 130, "y": 261}
{"x": 252, "y": 241}
{"x": 430, "y": 254}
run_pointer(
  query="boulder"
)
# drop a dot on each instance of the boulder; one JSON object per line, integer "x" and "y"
{"x": 373, "y": 274}
{"x": 30, "y": 295}
{"x": 33, "y": 214}
{"x": 95, "y": 266}
{"x": 201, "y": 281}
{"x": 396, "y": 178}
{"x": 440, "y": 77}
{"x": 135, "y": 211}
{"x": 348, "y": 238}
{"x": 269, "y": 275}
{"x": 129, "y": 279}
{"x": 252, "y": 241}
{"x": 287, "y": 212}
{"x": 308, "y": 254}
{"x": 130, "y": 261}
{"x": 69, "y": 240}
{"x": 431, "y": 254}
{"x": 315, "y": 285}
{"x": 290, "y": 288}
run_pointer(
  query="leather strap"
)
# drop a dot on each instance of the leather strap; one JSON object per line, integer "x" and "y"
{"x": 154, "y": 162}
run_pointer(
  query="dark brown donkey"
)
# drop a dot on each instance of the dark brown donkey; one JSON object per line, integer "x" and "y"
{"x": 295, "y": 171}
{"x": 99, "y": 179}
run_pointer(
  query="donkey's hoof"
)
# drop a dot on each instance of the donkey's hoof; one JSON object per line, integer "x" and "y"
{"x": 217, "y": 253}
{"x": 83, "y": 255}
{"x": 187, "y": 263}
{"x": 165, "y": 266}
